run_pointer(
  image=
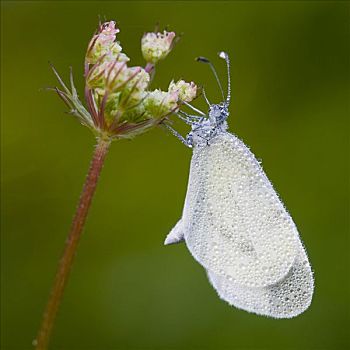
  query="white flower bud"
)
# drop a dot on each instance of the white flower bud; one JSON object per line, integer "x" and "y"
{"x": 187, "y": 91}
{"x": 156, "y": 46}
{"x": 159, "y": 103}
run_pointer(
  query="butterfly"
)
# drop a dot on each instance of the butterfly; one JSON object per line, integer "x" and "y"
{"x": 234, "y": 223}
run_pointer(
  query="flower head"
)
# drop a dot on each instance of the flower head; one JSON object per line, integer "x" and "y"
{"x": 156, "y": 46}
{"x": 187, "y": 91}
{"x": 119, "y": 101}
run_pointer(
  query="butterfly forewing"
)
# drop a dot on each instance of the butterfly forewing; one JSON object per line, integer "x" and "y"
{"x": 234, "y": 223}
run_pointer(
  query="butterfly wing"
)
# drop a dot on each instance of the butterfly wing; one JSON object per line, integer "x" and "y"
{"x": 284, "y": 299}
{"x": 233, "y": 221}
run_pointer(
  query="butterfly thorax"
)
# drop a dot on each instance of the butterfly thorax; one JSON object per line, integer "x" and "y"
{"x": 208, "y": 127}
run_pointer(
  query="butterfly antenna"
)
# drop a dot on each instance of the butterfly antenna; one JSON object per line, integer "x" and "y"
{"x": 205, "y": 60}
{"x": 224, "y": 56}
{"x": 206, "y": 98}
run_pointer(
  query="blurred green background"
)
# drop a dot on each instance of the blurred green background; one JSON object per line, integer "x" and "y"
{"x": 127, "y": 291}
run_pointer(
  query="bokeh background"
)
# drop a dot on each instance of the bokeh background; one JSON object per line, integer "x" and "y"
{"x": 127, "y": 291}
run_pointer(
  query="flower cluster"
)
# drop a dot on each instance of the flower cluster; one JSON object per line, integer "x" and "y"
{"x": 119, "y": 102}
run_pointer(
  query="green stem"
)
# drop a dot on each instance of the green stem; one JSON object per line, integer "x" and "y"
{"x": 71, "y": 246}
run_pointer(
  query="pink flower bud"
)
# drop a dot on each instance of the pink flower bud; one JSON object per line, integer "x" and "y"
{"x": 103, "y": 44}
{"x": 108, "y": 32}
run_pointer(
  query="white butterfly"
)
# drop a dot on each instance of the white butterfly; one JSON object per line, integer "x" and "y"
{"x": 234, "y": 223}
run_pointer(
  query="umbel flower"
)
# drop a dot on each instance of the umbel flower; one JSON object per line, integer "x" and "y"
{"x": 119, "y": 103}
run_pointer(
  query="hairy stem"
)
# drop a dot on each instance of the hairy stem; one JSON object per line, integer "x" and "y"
{"x": 71, "y": 246}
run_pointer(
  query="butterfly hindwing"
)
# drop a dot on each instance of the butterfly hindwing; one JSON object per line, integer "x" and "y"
{"x": 284, "y": 299}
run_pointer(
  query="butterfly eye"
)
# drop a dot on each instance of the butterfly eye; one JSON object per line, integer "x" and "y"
{"x": 214, "y": 113}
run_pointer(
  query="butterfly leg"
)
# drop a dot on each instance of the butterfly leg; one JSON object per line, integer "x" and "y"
{"x": 186, "y": 142}
{"x": 191, "y": 116}
{"x": 193, "y": 108}
{"x": 189, "y": 119}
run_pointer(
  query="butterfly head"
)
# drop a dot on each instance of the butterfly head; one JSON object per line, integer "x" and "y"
{"x": 207, "y": 126}
{"x": 218, "y": 113}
